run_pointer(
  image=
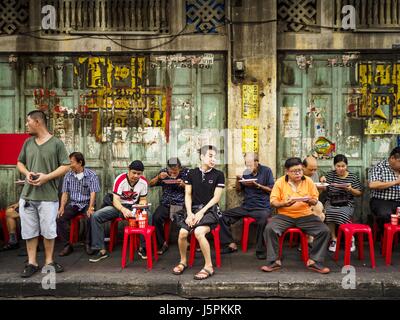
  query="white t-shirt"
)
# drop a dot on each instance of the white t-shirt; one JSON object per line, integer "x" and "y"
{"x": 130, "y": 194}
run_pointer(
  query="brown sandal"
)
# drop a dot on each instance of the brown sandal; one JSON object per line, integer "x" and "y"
{"x": 181, "y": 270}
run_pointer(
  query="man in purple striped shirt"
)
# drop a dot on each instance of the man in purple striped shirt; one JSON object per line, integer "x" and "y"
{"x": 79, "y": 187}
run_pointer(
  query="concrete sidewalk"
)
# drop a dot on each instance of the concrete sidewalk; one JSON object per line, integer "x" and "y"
{"x": 239, "y": 277}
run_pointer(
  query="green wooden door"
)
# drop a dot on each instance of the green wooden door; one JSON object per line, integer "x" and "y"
{"x": 313, "y": 102}
{"x": 197, "y": 116}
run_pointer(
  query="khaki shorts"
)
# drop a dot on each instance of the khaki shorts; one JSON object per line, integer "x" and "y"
{"x": 38, "y": 218}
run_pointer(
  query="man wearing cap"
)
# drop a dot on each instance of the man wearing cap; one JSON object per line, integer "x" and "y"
{"x": 171, "y": 179}
{"x": 129, "y": 189}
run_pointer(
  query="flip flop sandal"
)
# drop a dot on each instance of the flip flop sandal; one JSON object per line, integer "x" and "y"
{"x": 317, "y": 267}
{"x": 272, "y": 267}
{"x": 181, "y": 270}
{"x": 205, "y": 272}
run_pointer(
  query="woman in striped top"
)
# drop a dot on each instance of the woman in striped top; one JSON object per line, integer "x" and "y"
{"x": 343, "y": 187}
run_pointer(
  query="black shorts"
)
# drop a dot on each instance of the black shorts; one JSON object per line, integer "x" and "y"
{"x": 210, "y": 219}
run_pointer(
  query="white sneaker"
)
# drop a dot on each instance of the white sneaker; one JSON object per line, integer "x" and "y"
{"x": 332, "y": 246}
{"x": 353, "y": 244}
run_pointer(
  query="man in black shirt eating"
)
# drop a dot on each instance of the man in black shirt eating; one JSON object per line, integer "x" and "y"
{"x": 203, "y": 191}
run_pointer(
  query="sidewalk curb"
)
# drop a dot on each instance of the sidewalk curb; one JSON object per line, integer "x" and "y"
{"x": 193, "y": 289}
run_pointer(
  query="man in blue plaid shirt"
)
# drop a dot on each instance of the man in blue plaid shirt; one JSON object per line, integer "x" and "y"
{"x": 80, "y": 186}
{"x": 384, "y": 182}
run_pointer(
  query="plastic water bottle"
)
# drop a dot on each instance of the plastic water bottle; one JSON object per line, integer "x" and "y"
{"x": 145, "y": 215}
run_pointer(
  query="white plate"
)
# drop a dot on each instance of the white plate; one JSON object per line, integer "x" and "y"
{"x": 298, "y": 199}
{"x": 340, "y": 185}
{"x": 321, "y": 184}
{"x": 247, "y": 180}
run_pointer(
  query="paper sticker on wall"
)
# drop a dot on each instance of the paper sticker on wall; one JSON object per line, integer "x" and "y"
{"x": 250, "y": 103}
{"x": 290, "y": 119}
{"x": 353, "y": 146}
{"x": 320, "y": 128}
{"x": 324, "y": 148}
{"x": 249, "y": 139}
{"x": 383, "y": 112}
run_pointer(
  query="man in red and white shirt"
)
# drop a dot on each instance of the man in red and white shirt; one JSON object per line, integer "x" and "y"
{"x": 129, "y": 189}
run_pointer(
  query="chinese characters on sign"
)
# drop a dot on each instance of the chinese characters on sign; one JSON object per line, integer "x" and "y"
{"x": 250, "y": 139}
{"x": 250, "y": 106}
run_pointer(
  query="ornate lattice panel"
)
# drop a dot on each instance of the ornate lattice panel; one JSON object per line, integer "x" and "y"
{"x": 205, "y": 16}
{"x": 14, "y": 15}
{"x": 376, "y": 14}
{"x": 104, "y": 16}
{"x": 297, "y": 15}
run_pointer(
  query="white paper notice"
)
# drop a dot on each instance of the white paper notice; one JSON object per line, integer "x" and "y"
{"x": 290, "y": 119}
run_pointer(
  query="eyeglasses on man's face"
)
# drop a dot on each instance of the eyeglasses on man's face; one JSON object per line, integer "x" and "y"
{"x": 296, "y": 171}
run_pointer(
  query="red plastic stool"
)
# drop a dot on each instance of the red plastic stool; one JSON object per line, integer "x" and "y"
{"x": 217, "y": 246}
{"x": 74, "y": 230}
{"x": 293, "y": 237}
{"x": 247, "y": 221}
{"x": 113, "y": 233}
{"x": 149, "y": 236}
{"x": 167, "y": 225}
{"x": 387, "y": 243}
{"x": 3, "y": 221}
{"x": 303, "y": 241}
{"x": 350, "y": 229}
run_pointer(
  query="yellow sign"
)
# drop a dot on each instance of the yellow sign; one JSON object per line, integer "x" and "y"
{"x": 372, "y": 80}
{"x": 154, "y": 115}
{"x": 250, "y": 139}
{"x": 376, "y": 127}
{"x": 250, "y": 103}
{"x": 101, "y": 73}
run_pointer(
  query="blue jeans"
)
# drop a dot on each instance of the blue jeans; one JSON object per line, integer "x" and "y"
{"x": 97, "y": 221}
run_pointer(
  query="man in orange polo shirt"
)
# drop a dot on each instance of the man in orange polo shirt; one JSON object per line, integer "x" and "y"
{"x": 293, "y": 195}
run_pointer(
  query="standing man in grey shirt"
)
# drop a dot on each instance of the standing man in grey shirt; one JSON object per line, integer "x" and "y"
{"x": 42, "y": 160}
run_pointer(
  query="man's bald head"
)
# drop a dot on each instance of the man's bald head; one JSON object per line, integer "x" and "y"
{"x": 310, "y": 166}
{"x": 251, "y": 162}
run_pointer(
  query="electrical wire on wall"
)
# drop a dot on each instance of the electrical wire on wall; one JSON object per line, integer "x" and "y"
{"x": 228, "y": 23}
